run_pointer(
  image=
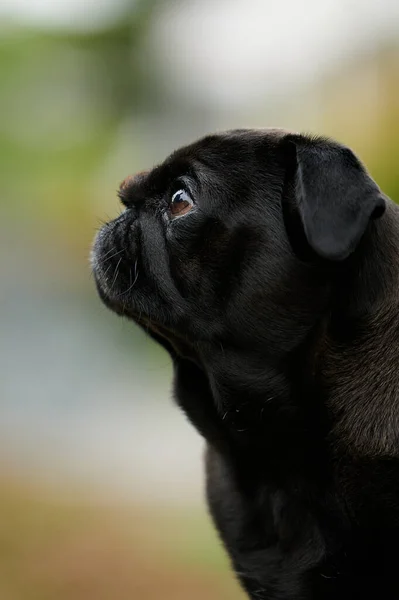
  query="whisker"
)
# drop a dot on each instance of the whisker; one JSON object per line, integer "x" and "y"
{"x": 106, "y": 271}
{"x": 130, "y": 281}
{"x": 109, "y": 252}
{"x": 130, "y": 286}
{"x": 112, "y": 256}
{"x": 116, "y": 273}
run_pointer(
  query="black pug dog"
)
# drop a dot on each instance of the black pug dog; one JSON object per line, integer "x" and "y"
{"x": 266, "y": 263}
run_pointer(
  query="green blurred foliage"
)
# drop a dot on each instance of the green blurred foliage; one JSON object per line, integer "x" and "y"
{"x": 360, "y": 106}
{"x": 64, "y": 96}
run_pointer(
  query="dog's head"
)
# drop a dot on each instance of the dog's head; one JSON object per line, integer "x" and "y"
{"x": 231, "y": 242}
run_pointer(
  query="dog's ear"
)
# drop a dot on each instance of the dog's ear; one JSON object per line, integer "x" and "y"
{"x": 333, "y": 195}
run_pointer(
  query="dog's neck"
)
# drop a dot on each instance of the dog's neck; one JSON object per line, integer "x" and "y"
{"x": 345, "y": 378}
{"x": 360, "y": 363}
{"x": 266, "y": 412}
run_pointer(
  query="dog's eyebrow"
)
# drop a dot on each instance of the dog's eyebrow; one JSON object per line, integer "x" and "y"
{"x": 165, "y": 175}
{"x": 160, "y": 179}
{"x": 132, "y": 180}
{"x": 130, "y": 187}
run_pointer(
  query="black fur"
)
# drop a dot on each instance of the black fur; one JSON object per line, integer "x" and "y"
{"x": 277, "y": 297}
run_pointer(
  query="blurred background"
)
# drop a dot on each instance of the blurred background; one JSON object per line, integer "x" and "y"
{"x": 100, "y": 475}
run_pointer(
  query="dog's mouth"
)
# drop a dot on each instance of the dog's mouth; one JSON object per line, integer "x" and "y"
{"x": 121, "y": 276}
{"x": 117, "y": 265}
{"x": 114, "y": 261}
{"x": 168, "y": 337}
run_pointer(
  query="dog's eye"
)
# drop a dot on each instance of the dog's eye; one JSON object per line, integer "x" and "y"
{"x": 180, "y": 204}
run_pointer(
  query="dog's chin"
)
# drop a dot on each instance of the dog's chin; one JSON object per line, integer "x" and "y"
{"x": 165, "y": 334}
{"x": 117, "y": 301}
{"x": 111, "y": 300}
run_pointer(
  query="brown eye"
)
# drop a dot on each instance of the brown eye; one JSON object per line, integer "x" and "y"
{"x": 180, "y": 204}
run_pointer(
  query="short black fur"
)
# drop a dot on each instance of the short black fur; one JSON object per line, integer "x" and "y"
{"x": 276, "y": 297}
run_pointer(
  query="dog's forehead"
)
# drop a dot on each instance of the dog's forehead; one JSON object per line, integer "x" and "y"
{"x": 267, "y": 133}
{"x": 220, "y": 146}
{"x": 214, "y": 152}
{"x": 272, "y": 133}
{"x": 220, "y": 143}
